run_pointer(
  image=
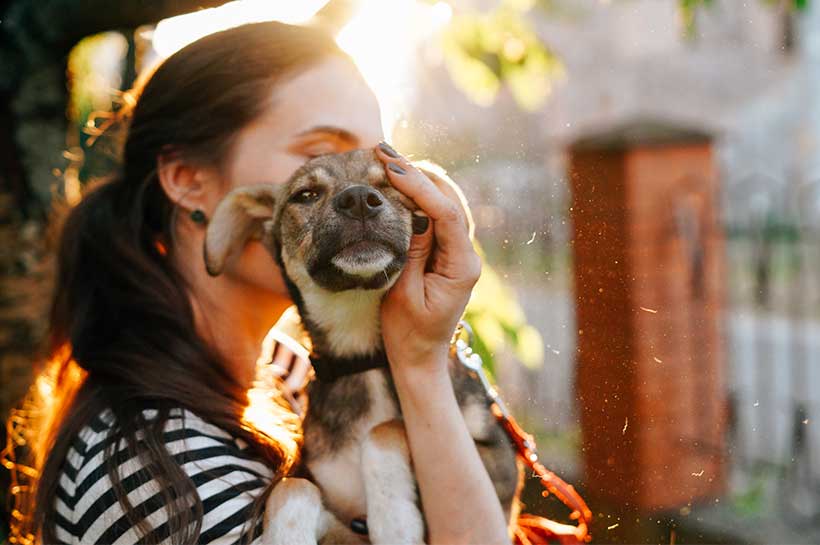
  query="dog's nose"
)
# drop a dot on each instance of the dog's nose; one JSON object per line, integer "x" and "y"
{"x": 358, "y": 202}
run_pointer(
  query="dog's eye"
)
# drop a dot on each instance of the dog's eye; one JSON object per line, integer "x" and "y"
{"x": 305, "y": 196}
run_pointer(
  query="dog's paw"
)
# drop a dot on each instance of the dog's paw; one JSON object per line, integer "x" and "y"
{"x": 399, "y": 523}
{"x": 293, "y": 514}
{"x": 393, "y": 515}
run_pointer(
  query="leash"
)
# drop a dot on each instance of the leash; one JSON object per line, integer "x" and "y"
{"x": 530, "y": 529}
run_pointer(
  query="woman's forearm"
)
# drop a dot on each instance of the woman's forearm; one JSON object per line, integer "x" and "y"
{"x": 459, "y": 500}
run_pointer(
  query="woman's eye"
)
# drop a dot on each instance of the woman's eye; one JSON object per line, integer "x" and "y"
{"x": 305, "y": 196}
{"x": 318, "y": 150}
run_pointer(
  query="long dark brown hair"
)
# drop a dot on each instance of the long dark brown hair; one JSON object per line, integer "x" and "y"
{"x": 122, "y": 333}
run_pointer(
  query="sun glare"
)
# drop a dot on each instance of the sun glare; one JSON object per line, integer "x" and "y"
{"x": 174, "y": 33}
{"x": 383, "y": 37}
{"x": 385, "y": 52}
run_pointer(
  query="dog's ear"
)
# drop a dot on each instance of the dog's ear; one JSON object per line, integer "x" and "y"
{"x": 240, "y": 215}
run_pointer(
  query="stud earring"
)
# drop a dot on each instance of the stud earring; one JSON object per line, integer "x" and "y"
{"x": 198, "y": 216}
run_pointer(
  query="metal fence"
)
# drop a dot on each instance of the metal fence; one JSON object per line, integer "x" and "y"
{"x": 771, "y": 329}
{"x": 773, "y": 341}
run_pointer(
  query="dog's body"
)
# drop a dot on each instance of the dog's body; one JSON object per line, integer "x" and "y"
{"x": 340, "y": 234}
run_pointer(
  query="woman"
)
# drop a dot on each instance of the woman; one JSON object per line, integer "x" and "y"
{"x": 156, "y": 444}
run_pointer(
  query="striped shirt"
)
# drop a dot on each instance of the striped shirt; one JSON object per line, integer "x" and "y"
{"x": 226, "y": 478}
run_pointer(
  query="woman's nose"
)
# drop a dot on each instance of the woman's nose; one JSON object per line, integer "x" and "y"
{"x": 358, "y": 202}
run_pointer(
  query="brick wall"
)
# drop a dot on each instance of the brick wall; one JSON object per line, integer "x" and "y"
{"x": 648, "y": 289}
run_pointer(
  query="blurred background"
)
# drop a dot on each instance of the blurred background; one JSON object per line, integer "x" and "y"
{"x": 645, "y": 180}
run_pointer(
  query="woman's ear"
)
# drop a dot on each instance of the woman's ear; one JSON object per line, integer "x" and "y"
{"x": 187, "y": 185}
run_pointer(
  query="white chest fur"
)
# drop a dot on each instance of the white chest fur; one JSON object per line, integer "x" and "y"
{"x": 349, "y": 319}
{"x": 339, "y": 474}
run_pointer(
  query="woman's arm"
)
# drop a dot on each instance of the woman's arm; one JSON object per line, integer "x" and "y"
{"x": 459, "y": 501}
{"x": 419, "y": 316}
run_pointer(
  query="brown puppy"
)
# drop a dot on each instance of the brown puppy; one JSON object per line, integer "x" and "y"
{"x": 340, "y": 233}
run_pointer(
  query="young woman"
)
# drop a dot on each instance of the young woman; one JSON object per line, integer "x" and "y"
{"x": 154, "y": 444}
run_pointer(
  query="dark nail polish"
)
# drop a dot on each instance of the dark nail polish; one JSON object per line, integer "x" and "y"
{"x": 420, "y": 224}
{"x": 396, "y": 168}
{"x": 359, "y": 526}
{"x": 386, "y": 148}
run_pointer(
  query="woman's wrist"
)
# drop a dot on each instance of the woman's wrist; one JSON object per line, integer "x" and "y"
{"x": 419, "y": 368}
{"x": 453, "y": 470}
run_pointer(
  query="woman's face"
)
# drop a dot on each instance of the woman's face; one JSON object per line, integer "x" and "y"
{"x": 327, "y": 108}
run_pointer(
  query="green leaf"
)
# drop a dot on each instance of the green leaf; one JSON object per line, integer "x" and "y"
{"x": 498, "y": 322}
{"x": 483, "y": 51}
{"x": 530, "y": 347}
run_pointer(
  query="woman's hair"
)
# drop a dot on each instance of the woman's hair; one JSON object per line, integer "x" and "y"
{"x": 122, "y": 329}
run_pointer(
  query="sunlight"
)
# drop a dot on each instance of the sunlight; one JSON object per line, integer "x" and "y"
{"x": 384, "y": 52}
{"x": 174, "y": 33}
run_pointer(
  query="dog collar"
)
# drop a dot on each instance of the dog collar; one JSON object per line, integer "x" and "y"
{"x": 330, "y": 369}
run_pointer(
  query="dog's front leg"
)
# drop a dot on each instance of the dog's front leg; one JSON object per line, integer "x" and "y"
{"x": 393, "y": 516}
{"x": 294, "y": 515}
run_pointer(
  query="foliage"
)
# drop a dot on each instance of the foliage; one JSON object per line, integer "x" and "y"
{"x": 498, "y": 322}
{"x": 793, "y": 4}
{"x": 688, "y": 8}
{"x": 483, "y": 51}
{"x": 752, "y": 501}
{"x": 95, "y": 68}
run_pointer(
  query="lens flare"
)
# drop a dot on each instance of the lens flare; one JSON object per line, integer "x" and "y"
{"x": 384, "y": 39}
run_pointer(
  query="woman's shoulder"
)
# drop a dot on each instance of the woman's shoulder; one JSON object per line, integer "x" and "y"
{"x": 225, "y": 473}
{"x": 181, "y": 424}
{"x": 187, "y": 436}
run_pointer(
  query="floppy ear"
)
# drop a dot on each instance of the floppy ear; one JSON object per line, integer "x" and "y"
{"x": 239, "y": 215}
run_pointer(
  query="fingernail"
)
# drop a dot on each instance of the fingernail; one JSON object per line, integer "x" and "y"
{"x": 396, "y": 168}
{"x": 420, "y": 224}
{"x": 359, "y": 526}
{"x": 386, "y": 148}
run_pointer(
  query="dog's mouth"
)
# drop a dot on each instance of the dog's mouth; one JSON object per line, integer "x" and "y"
{"x": 365, "y": 260}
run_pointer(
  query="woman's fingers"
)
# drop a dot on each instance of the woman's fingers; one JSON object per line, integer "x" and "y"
{"x": 418, "y": 254}
{"x": 414, "y": 184}
{"x": 451, "y": 191}
{"x": 446, "y": 211}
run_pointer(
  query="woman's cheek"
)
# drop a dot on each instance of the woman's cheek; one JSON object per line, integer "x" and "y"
{"x": 257, "y": 268}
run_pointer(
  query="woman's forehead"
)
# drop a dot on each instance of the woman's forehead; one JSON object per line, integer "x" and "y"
{"x": 329, "y": 95}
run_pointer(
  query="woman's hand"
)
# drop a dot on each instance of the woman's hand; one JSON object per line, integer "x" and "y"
{"x": 422, "y": 309}
{"x": 419, "y": 315}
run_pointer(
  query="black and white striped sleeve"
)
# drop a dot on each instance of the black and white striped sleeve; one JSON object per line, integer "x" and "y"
{"x": 226, "y": 478}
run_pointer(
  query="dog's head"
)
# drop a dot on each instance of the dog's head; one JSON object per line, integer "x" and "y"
{"x": 336, "y": 223}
